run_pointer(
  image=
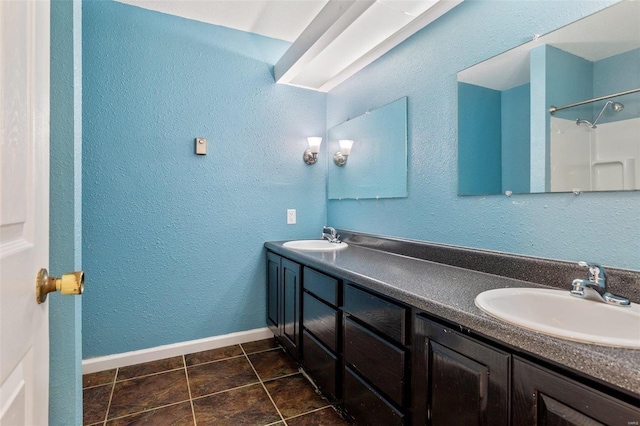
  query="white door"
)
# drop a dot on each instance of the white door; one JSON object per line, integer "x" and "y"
{"x": 24, "y": 210}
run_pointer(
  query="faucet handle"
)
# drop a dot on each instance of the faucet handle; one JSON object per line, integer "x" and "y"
{"x": 332, "y": 236}
{"x": 596, "y": 272}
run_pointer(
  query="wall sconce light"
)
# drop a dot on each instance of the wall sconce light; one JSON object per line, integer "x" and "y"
{"x": 310, "y": 155}
{"x": 340, "y": 157}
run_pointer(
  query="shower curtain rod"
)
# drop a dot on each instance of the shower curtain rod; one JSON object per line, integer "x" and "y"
{"x": 554, "y": 109}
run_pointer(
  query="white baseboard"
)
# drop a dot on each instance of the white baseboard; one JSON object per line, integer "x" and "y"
{"x": 108, "y": 362}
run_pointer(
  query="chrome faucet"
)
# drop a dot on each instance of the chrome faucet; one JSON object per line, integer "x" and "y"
{"x": 330, "y": 234}
{"x": 596, "y": 285}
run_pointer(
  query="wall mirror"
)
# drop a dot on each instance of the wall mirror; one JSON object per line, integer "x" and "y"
{"x": 558, "y": 114}
{"x": 377, "y": 164}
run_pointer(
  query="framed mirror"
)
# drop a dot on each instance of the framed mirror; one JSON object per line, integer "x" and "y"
{"x": 376, "y": 166}
{"x": 558, "y": 114}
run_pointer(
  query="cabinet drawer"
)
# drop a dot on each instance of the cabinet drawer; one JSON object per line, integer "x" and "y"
{"x": 321, "y": 320}
{"x": 381, "y": 363}
{"x": 385, "y": 316}
{"x": 323, "y": 286}
{"x": 366, "y": 406}
{"x": 320, "y": 364}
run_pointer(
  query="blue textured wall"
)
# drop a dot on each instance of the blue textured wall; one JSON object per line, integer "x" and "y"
{"x": 569, "y": 78}
{"x": 616, "y": 74}
{"x": 479, "y": 154}
{"x": 377, "y": 166}
{"x": 516, "y": 138}
{"x": 557, "y": 78}
{"x": 172, "y": 241}
{"x": 540, "y": 121}
{"x": 65, "y": 239}
{"x": 602, "y": 227}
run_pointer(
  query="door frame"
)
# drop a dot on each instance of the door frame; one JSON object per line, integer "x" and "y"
{"x": 65, "y": 210}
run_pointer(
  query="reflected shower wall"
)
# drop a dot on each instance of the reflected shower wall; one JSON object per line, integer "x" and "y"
{"x": 611, "y": 162}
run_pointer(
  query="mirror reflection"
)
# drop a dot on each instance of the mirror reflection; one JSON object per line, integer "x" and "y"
{"x": 375, "y": 164}
{"x": 558, "y": 114}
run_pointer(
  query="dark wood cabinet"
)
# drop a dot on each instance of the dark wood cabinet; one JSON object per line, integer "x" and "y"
{"x": 322, "y": 332}
{"x": 324, "y": 287}
{"x": 273, "y": 292}
{"x": 376, "y": 371}
{"x": 386, "y": 317}
{"x": 322, "y": 321}
{"x": 322, "y": 366}
{"x": 457, "y": 380}
{"x": 382, "y": 362}
{"x": 365, "y": 406}
{"x": 291, "y": 306}
{"x": 544, "y": 398}
{"x": 284, "y": 301}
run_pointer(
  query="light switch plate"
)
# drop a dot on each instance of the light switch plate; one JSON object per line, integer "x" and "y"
{"x": 201, "y": 146}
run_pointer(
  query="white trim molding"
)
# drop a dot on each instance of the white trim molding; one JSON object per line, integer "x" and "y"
{"x": 347, "y": 35}
{"x": 93, "y": 365}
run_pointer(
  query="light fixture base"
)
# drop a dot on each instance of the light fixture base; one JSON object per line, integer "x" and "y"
{"x": 309, "y": 157}
{"x": 340, "y": 159}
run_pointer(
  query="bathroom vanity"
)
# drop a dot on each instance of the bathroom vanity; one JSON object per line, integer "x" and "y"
{"x": 393, "y": 339}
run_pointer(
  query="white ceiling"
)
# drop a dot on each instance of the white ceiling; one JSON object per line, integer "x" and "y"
{"x": 348, "y": 35}
{"x": 281, "y": 19}
{"x": 609, "y": 32}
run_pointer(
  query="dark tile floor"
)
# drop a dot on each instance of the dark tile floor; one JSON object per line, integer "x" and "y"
{"x": 253, "y": 383}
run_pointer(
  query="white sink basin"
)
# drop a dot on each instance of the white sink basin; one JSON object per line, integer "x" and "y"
{"x": 314, "y": 245}
{"x": 557, "y": 313}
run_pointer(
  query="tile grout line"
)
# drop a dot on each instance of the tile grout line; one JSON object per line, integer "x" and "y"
{"x": 97, "y": 386}
{"x": 259, "y": 352}
{"x": 150, "y": 374}
{"x": 148, "y": 410}
{"x": 230, "y": 357}
{"x": 113, "y": 388}
{"x": 211, "y": 362}
{"x": 264, "y": 387}
{"x": 186, "y": 374}
{"x": 310, "y": 411}
{"x": 226, "y": 390}
{"x": 282, "y": 377}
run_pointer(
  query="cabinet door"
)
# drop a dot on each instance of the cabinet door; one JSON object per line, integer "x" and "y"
{"x": 458, "y": 380}
{"x": 542, "y": 397}
{"x": 273, "y": 292}
{"x": 291, "y": 303}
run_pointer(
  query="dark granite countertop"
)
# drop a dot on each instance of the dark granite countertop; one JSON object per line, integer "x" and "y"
{"x": 449, "y": 292}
